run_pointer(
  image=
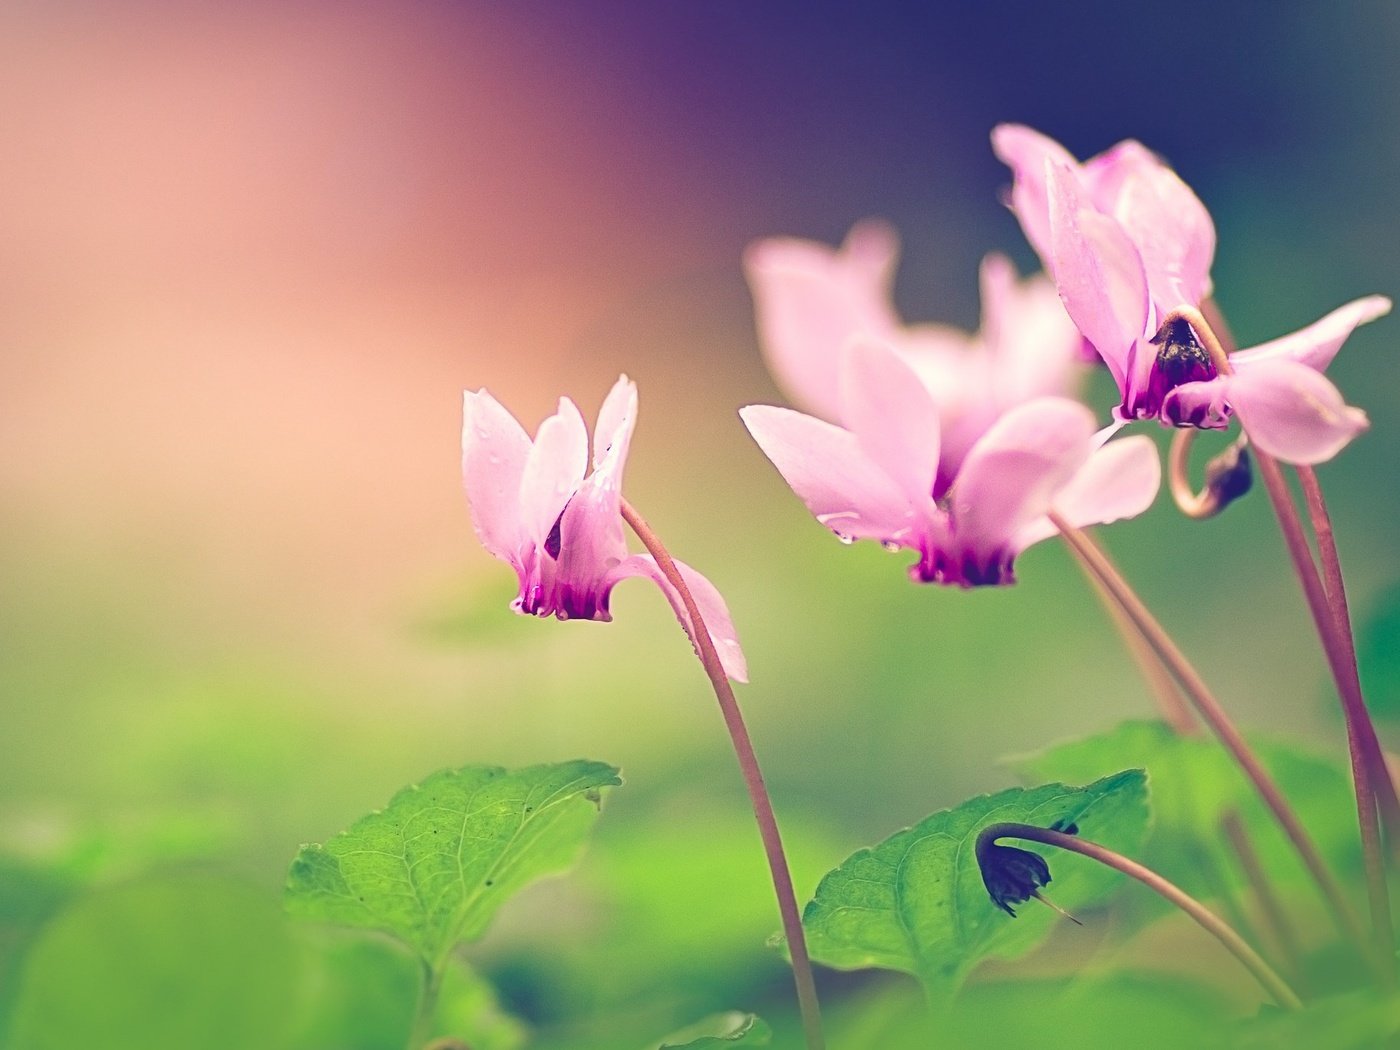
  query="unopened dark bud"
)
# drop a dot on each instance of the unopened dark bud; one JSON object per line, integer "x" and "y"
{"x": 1229, "y": 476}
{"x": 1012, "y": 875}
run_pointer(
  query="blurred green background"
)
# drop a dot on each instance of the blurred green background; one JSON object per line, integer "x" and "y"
{"x": 249, "y": 259}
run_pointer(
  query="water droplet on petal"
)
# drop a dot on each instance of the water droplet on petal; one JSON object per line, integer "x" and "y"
{"x": 847, "y": 540}
{"x": 890, "y": 545}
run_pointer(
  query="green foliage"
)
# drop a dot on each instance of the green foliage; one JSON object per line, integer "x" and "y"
{"x": 364, "y": 990}
{"x": 161, "y": 964}
{"x": 916, "y": 902}
{"x": 1089, "y": 1012}
{"x": 1359, "y": 1021}
{"x": 433, "y": 867}
{"x": 1195, "y": 783}
{"x": 722, "y": 1030}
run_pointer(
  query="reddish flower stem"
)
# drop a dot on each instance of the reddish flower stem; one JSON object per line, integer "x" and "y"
{"x": 1327, "y": 605}
{"x": 1275, "y": 918}
{"x": 1334, "y": 587}
{"x": 1177, "y": 715}
{"x": 1270, "y": 981}
{"x": 1214, "y": 716}
{"x": 753, "y": 780}
{"x": 1358, "y": 719}
{"x": 1159, "y": 682}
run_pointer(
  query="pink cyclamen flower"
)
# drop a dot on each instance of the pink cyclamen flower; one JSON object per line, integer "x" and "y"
{"x": 812, "y": 300}
{"x": 874, "y": 477}
{"x": 1127, "y": 243}
{"x": 562, "y": 532}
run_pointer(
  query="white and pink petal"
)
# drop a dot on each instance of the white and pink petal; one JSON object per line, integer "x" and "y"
{"x": 1014, "y": 471}
{"x": 1293, "y": 412}
{"x": 1099, "y": 274}
{"x": 494, "y": 449}
{"x": 1318, "y": 343}
{"x": 553, "y": 471}
{"x": 893, "y": 417}
{"x": 824, "y": 464}
{"x": 1120, "y": 480}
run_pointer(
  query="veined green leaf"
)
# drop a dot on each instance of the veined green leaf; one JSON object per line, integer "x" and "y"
{"x": 433, "y": 867}
{"x": 1195, "y": 783}
{"x": 916, "y": 902}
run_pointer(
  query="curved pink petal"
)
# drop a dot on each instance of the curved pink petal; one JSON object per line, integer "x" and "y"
{"x": 810, "y": 300}
{"x": 1165, "y": 220}
{"x": 1293, "y": 412}
{"x": 553, "y": 470}
{"x": 1318, "y": 343}
{"x": 892, "y": 416}
{"x": 708, "y": 601}
{"x": 1099, "y": 274}
{"x": 1203, "y": 403}
{"x": 1120, "y": 480}
{"x": 591, "y": 536}
{"x": 616, "y": 419}
{"x": 494, "y": 450}
{"x": 826, "y": 467}
{"x": 1026, "y": 151}
{"x": 1173, "y": 233}
{"x": 1014, "y": 471}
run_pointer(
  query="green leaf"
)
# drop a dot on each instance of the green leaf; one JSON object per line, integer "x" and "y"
{"x": 916, "y": 902}
{"x": 1195, "y": 783}
{"x": 1356, "y": 1021}
{"x": 161, "y": 964}
{"x": 364, "y": 994}
{"x": 1089, "y": 1011}
{"x": 721, "y": 1030}
{"x": 433, "y": 867}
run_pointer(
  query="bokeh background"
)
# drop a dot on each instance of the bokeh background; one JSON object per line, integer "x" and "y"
{"x": 250, "y": 256}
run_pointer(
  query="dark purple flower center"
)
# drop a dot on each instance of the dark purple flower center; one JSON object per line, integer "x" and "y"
{"x": 964, "y": 570}
{"x": 1180, "y": 359}
{"x": 554, "y": 541}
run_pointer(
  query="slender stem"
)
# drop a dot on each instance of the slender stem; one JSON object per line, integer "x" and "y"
{"x": 1275, "y": 918}
{"x": 1370, "y": 777}
{"x": 1192, "y": 504}
{"x": 422, "y": 1029}
{"x": 1270, "y": 981}
{"x": 1214, "y": 716}
{"x": 1353, "y": 707}
{"x": 1335, "y": 588}
{"x": 1330, "y": 591}
{"x": 1159, "y": 683}
{"x": 753, "y": 780}
{"x": 1178, "y": 717}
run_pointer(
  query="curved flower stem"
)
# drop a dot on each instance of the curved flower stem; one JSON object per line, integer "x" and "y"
{"x": 1275, "y": 918}
{"x": 1179, "y": 719}
{"x": 1191, "y": 503}
{"x": 1364, "y": 760}
{"x": 1270, "y": 981}
{"x": 1214, "y": 716}
{"x": 1370, "y": 777}
{"x": 1159, "y": 683}
{"x": 753, "y": 780}
{"x": 1334, "y": 587}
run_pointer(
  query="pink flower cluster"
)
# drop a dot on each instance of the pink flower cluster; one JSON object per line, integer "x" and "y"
{"x": 960, "y": 447}
{"x": 1127, "y": 243}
